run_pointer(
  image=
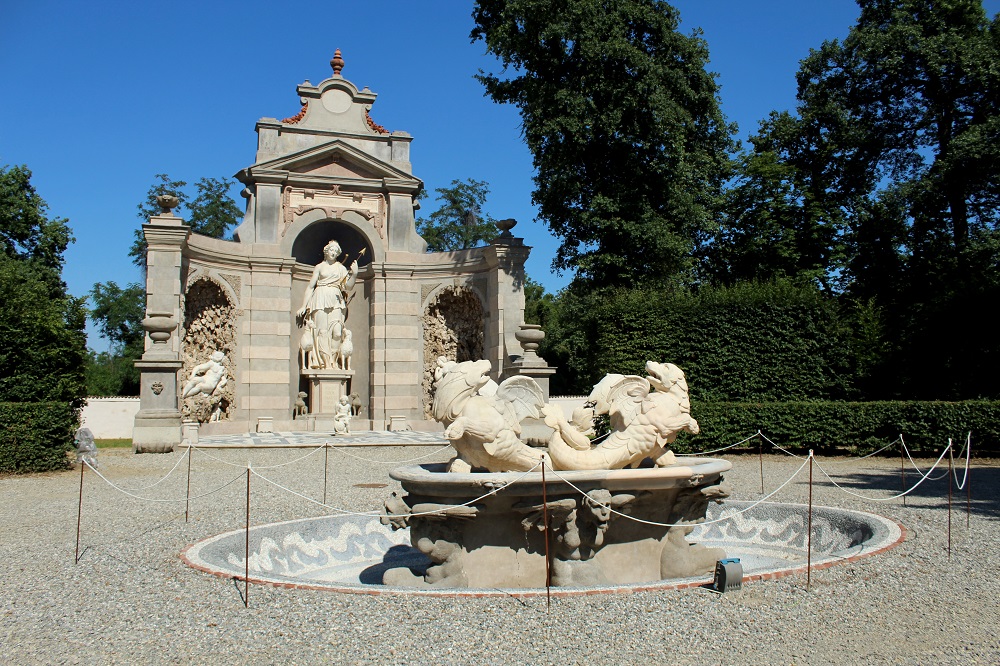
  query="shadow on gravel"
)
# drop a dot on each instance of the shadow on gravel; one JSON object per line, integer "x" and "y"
{"x": 984, "y": 484}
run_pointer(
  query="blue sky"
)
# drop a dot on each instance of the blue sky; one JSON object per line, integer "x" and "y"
{"x": 98, "y": 97}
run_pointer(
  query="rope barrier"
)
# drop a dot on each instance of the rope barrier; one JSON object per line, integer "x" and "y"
{"x": 783, "y": 450}
{"x": 284, "y": 464}
{"x": 153, "y": 499}
{"x": 370, "y": 514}
{"x": 873, "y": 453}
{"x": 968, "y": 455}
{"x": 897, "y": 496}
{"x": 135, "y": 490}
{"x": 292, "y": 462}
{"x": 707, "y": 522}
{"x": 724, "y": 448}
{"x": 340, "y": 449}
{"x": 925, "y": 476}
{"x": 967, "y": 449}
{"x": 913, "y": 463}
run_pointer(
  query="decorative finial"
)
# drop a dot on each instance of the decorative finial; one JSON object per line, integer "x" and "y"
{"x": 337, "y": 63}
{"x": 167, "y": 202}
{"x": 505, "y": 226}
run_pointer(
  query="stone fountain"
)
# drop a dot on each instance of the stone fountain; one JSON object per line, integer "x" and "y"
{"x": 505, "y": 514}
{"x": 505, "y": 518}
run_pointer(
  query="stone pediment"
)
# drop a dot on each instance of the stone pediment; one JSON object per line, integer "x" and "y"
{"x": 334, "y": 160}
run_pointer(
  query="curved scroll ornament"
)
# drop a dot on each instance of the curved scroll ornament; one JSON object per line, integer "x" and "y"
{"x": 333, "y": 209}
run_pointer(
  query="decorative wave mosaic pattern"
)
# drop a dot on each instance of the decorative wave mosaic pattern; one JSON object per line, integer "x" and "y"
{"x": 339, "y": 551}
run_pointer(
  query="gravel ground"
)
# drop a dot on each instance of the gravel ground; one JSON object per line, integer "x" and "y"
{"x": 130, "y": 600}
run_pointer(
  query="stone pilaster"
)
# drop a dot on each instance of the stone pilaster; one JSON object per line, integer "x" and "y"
{"x": 506, "y": 284}
{"x": 394, "y": 356}
{"x": 269, "y": 368}
{"x": 157, "y": 426}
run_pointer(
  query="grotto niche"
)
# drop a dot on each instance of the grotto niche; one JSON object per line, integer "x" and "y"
{"x": 209, "y": 327}
{"x": 453, "y": 328}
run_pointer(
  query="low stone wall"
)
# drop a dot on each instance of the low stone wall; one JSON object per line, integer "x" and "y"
{"x": 110, "y": 418}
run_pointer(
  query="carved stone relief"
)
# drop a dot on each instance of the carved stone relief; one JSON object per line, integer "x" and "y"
{"x": 299, "y": 201}
{"x": 234, "y": 281}
{"x": 209, "y": 326}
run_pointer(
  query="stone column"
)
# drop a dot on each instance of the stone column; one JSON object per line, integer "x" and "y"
{"x": 157, "y": 426}
{"x": 506, "y": 256}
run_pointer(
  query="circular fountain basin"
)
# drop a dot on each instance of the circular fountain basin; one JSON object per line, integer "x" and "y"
{"x": 351, "y": 553}
{"x": 433, "y": 480}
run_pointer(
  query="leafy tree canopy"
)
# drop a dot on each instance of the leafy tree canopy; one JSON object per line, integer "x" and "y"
{"x": 42, "y": 339}
{"x": 212, "y": 212}
{"x": 118, "y": 314}
{"x": 890, "y": 163}
{"x": 26, "y": 233}
{"x": 458, "y": 224}
{"x": 883, "y": 187}
{"x": 623, "y": 122}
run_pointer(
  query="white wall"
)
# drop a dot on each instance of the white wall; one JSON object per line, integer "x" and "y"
{"x": 110, "y": 418}
{"x": 568, "y": 403}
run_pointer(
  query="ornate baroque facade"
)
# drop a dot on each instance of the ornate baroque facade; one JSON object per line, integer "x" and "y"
{"x": 329, "y": 173}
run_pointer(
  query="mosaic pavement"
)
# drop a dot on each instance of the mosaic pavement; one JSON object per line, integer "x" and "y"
{"x": 351, "y": 553}
{"x": 314, "y": 439}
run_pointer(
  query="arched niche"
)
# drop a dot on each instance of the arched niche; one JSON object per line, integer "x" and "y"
{"x": 308, "y": 235}
{"x": 209, "y": 326}
{"x": 453, "y": 326}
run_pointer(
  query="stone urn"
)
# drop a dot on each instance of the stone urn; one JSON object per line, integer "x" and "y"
{"x": 530, "y": 336}
{"x": 167, "y": 202}
{"x": 160, "y": 326}
{"x": 505, "y": 226}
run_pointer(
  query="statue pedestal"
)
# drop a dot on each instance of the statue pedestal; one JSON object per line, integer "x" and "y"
{"x": 157, "y": 427}
{"x": 530, "y": 364}
{"x": 540, "y": 373}
{"x": 325, "y": 390}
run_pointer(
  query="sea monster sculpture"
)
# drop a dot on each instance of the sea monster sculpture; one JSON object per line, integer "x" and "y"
{"x": 643, "y": 423}
{"x": 485, "y": 429}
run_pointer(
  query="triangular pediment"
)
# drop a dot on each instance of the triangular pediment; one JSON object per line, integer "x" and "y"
{"x": 336, "y": 159}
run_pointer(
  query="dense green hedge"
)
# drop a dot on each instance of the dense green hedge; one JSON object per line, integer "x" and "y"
{"x": 35, "y": 436}
{"x": 766, "y": 342}
{"x": 847, "y": 427}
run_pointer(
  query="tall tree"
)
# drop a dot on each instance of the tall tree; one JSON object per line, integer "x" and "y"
{"x": 623, "y": 122}
{"x": 915, "y": 82}
{"x": 42, "y": 339}
{"x": 785, "y": 213}
{"x": 884, "y": 184}
{"x": 458, "y": 223}
{"x": 118, "y": 314}
{"x": 212, "y": 212}
{"x": 26, "y": 232}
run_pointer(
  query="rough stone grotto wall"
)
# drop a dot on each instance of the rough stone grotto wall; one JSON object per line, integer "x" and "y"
{"x": 453, "y": 328}
{"x": 209, "y": 325}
